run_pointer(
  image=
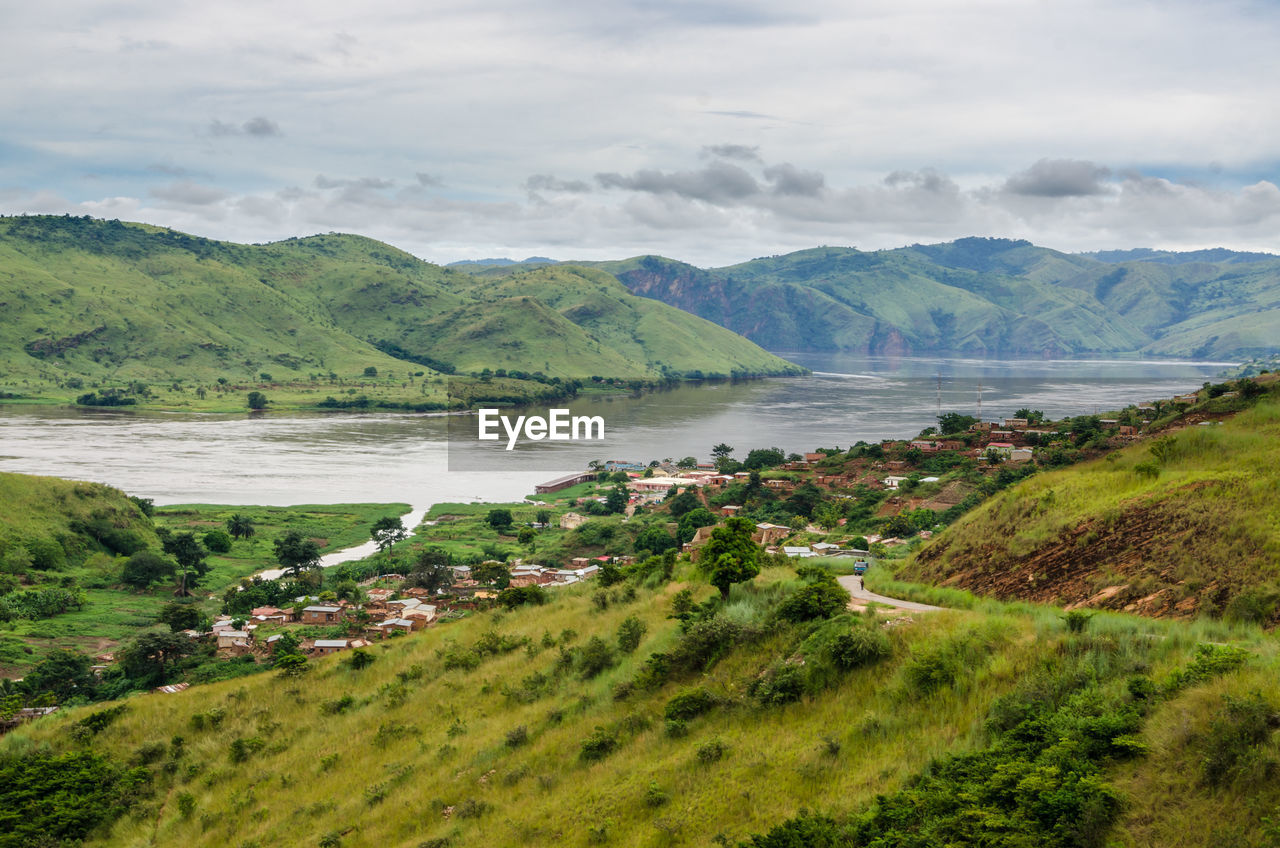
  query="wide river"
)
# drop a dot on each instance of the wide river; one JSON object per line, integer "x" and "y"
{"x": 343, "y": 458}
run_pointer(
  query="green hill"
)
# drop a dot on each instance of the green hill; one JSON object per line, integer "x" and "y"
{"x": 89, "y": 300}
{"x": 1181, "y": 525}
{"x": 999, "y": 727}
{"x": 979, "y": 297}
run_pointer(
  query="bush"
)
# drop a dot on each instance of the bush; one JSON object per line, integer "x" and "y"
{"x": 861, "y": 647}
{"x": 598, "y": 745}
{"x": 630, "y": 633}
{"x": 595, "y": 657}
{"x": 819, "y": 600}
{"x": 1077, "y": 620}
{"x": 712, "y": 752}
{"x": 513, "y": 597}
{"x": 690, "y": 704}
{"x": 218, "y": 541}
{"x": 655, "y": 796}
{"x": 781, "y": 684}
{"x": 517, "y": 736}
{"x": 1236, "y": 735}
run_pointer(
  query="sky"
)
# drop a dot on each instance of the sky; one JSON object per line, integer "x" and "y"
{"x": 711, "y": 131}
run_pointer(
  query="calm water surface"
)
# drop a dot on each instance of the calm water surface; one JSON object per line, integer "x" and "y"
{"x": 412, "y": 458}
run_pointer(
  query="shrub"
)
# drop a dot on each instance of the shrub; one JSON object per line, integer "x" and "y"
{"x": 1077, "y": 620}
{"x": 513, "y": 597}
{"x": 630, "y": 633}
{"x": 517, "y": 736}
{"x": 218, "y": 541}
{"x": 242, "y": 748}
{"x": 337, "y": 705}
{"x": 598, "y": 745}
{"x": 677, "y": 728}
{"x": 819, "y": 600}
{"x": 781, "y": 684}
{"x": 703, "y": 644}
{"x": 655, "y": 796}
{"x": 1236, "y": 734}
{"x": 860, "y": 647}
{"x": 690, "y": 704}
{"x": 712, "y": 752}
{"x": 360, "y": 659}
{"x": 595, "y": 657}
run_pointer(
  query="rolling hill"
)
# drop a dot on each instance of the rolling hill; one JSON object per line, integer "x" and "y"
{"x": 104, "y": 300}
{"x": 1181, "y": 525}
{"x": 979, "y": 297}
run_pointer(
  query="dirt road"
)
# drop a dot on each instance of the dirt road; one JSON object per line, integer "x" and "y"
{"x": 853, "y": 583}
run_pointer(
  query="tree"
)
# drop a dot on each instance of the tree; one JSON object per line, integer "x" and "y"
{"x": 687, "y": 462}
{"x": 217, "y": 541}
{"x": 491, "y": 572}
{"x": 190, "y": 555}
{"x": 764, "y": 458}
{"x": 692, "y": 520}
{"x": 240, "y": 526}
{"x": 543, "y": 517}
{"x": 730, "y": 556}
{"x": 616, "y": 500}
{"x": 257, "y": 400}
{"x": 500, "y": 520}
{"x": 144, "y": 568}
{"x": 1033, "y": 416}
{"x": 149, "y": 659}
{"x": 722, "y": 456}
{"x": 181, "y": 616}
{"x": 64, "y": 674}
{"x": 296, "y": 553}
{"x": 655, "y": 539}
{"x": 432, "y": 571}
{"x": 683, "y": 503}
{"x": 526, "y": 535}
{"x": 950, "y": 423}
{"x": 387, "y": 531}
{"x": 630, "y": 633}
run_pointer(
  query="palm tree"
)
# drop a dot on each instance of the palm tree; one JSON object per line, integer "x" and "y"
{"x": 240, "y": 526}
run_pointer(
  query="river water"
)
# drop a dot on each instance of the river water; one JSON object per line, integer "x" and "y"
{"x": 422, "y": 459}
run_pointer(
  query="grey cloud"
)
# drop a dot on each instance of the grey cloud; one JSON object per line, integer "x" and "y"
{"x": 741, "y": 113}
{"x": 188, "y": 194}
{"x": 926, "y": 179}
{"x": 1060, "y": 178}
{"x": 376, "y": 183}
{"x": 428, "y": 180}
{"x": 740, "y": 152}
{"x": 258, "y": 127}
{"x": 788, "y": 179}
{"x": 719, "y": 182}
{"x": 546, "y": 182}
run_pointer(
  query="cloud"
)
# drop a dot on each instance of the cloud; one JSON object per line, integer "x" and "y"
{"x": 428, "y": 180}
{"x": 718, "y": 182}
{"x": 741, "y": 113}
{"x": 1060, "y": 178}
{"x": 741, "y": 152}
{"x": 376, "y": 183}
{"x": 186, "y": 193}
{"x": 256, "y": 127}
{"x": 788, "y": 179}
{"x": 546, "y": 182}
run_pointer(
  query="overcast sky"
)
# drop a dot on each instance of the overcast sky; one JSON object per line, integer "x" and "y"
{"x": 706, "y": 131}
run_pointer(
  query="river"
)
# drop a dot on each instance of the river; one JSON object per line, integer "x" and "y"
{"x": 337, "y": 458}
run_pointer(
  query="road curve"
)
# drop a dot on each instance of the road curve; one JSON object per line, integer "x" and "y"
{"x": 853, "y": 583}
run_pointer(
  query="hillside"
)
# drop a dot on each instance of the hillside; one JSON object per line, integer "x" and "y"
{"x": 532, "y": 727}
{"x": 90, "y": 301}
{"x": 980, "y": 297}
{"x": 1180, "y": 525}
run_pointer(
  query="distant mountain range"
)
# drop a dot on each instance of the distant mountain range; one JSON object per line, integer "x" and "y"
{"x": 532, "y": 260}
{"x": 105, "y": 299}
{"x": 980, "y": 297}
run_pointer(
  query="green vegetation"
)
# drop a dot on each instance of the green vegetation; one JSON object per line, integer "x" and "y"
{"x": 124, "y": 314}
{"x": 83, "y": 567}
{"x": 981, "y": 297}
{"x": 1179, "y": 525}
{"x": 727, "y": 723}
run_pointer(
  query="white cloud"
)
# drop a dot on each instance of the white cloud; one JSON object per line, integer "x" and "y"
{"x": 711, "y": 131}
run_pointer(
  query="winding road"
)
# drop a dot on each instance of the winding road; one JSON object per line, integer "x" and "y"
{"x": 853, "y": 583}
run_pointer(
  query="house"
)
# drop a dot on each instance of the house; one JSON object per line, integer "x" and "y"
{"x": 801, "y": 552}
{"x": 570, "y": 520}
{"x": 321, "y": 615}
{"x": 324, "y": 647}
{"x": 564, "y": 482}
{"x": 421, "y": 617}
{"x": 1020, "y": 455}
{"x": 1190, "y": 397}
{"x": 781, "y": 484}
{"x": 662, "y": 484}
{"x": 1128, "y": 430}
{"x": 770, "y": 534}
{"x": 461, "y": 572}
{"x": 925, "y": 445}
{"x": 266, "y": 612}
{"x": 1015, "y": 423}
{"x": 893, "y": 482}
{"x": 825, "y": 548}
{"x": 395, "y": 625}
{"x": 229, "y": 638}
{"x": 982, "y": 426}
{"x": 729, "y": 509}
{"x": 377, "y": 595}
{"x": 814, "y": 457}
{"x": 171, "y": 688}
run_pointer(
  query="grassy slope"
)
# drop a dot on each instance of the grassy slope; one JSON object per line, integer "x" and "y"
{"x": 1191, "y": 540}
{"x": 978, "y": 296}
{"x": 110, "y": 301}
{"x": 45, "y": 507}
{"x": 419, "y": 738}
